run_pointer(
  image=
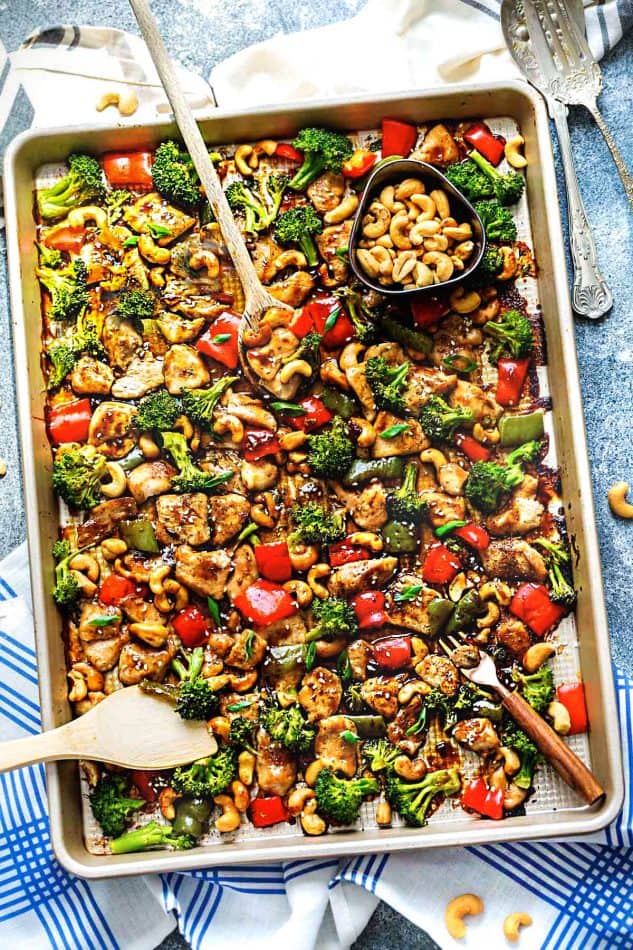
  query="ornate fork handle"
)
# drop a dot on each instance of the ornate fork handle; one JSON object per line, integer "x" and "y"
{"x": 620, "y": 164}
{"x": 591, "y": 296}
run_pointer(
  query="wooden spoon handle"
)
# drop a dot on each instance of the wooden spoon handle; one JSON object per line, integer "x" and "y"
{"x": 61, "y": 743}
{"x": 574, "y": 772}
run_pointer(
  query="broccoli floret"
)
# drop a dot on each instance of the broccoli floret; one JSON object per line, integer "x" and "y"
{"x": 288, "y": 727}
{"x": 66, "y": 591}
{"x": 413, "y": 799}
{"x": 309, "y": 349}
{"x": 61, "y": 549}
{"x": 490, "y": 265}
{"x": 314, "y": 525}
{"x": 206, "y": 777}
{"x": 174, "y": 176}
{"x": 297, "y": 226}
{"x": 379, "y": 754}
{"x": 558, "y": 562}
{"x": 497, "y": 221}
{"x": 488, "y": 483}
{"x": 136, "y": 305}
{"x": 241, "y": 733}
{"x": 339, "y": 799}
{"x": 83, "y": 183}
{"x": 68, "y": 289}
{"x": 199, "y": 404}
{"x": 190, "y": 477}
{"x": 440, "y": 421}
{"x": 364, "y": 318}
{"x": 387, "y": 384}
{"x": 193, "y": 696}
{"x": 323, "y": 150}
{"x": 77, "y": 474}
{"x": 405, "y": 505}
{"x": 353, "y": 699}
{"x": 507, "y": 188}
{"x": 468, "y": 178}
{"x": 536, "y": 688}
{"x": 513, "y": 334}
{"x": 111, "y": 805}
{"x": 241, "y": 198}
{"x": 114, "y": 203}
{"x": 271, "y": 189}
{"x": 63, "y": 358}
{"x": 335, "y": 618}
{"x": 515, "y": 738}
{"x": 49, "y": 256}
{"x": 158, "y": 411}
{"x": 149, "y": 836}
{"x": 438, "y": 702}
{"x": 331, "y": 452}
{"x": 64, "y": 353}
{"x": 85, "y": 338}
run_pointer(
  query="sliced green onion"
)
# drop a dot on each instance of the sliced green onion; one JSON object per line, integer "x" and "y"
{"x": 331, "y": 320}
{"x": 343, "y": 253}
{"x": 240, "y": 704}
{"x": 445, "y": 529}
{"x": 104, "y": 621}
{"x": 460, "y": 363}
{"x": 249, "y": 530}
{"x": 344, "y": 668}
{"x": 410, "y": 592}
{"x": 394, "y": 430}
{"x": 131, "y": 241}
{"x": 221, "y": 338}
{"x": 419, "y": 725}
{"x": 158, "y": 230}
{"x": 310, "y": 656}
{"x": 350, "y": 736}
{"x": 288, "y": 408}
{"x": 214, "y": 610}
{"x": 249, "y": 644}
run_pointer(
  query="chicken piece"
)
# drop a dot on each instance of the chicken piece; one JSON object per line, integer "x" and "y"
{"x": 439, "y": 671}
{"x": 513, "y": 558}
{"x": 184, "y": 368}
{"x": 150, "y": 479}
{"x": 326, "y": 191}
{"x": 276, "y": 767}
{"x": 184, "y": 297}
{"x": 285, "y": 632}
{"x": 412, "y": 614}
{"x": 359, "y": 653}
{"x": 111, "y": 429}
{"x": 183, "y": 519}
{"x": 369, "y": 507}
{"x": 205, "y": 572}
{"x": 293, "y": 289}
{"x": 104, "y": 654}
{"x": 320, "y": 694}
{"x": 443, "y": 508}
{"x": 439, "y": 147}
{"x": 514, "y": 636}
{"x": 91, "y": 377}
{"x": 455, "y": 335}
{"x": 398, "y": 729}
{"x": 90, "y": 625}
{"x": 121, "y": 341}
{"x": 104, "y": 520}
{"x": 247, "y": 651}
{"x": 267, "y": 360}
{"x": 245, "y": 571}
{"x": 102, "y": 265}
{"x": 228, "y": 514}
{"x": 332, "y": 749}
{"x": 330, "y": 241}
{"x": 478, "y": 735}
{"x": 483, "y": 405}
{"x": 249, "y": 410}
{"x": 381, "y": 694}
{"x": 139, "y": 610}
{"x": 151, "y": 209}
{"x": 218, "y": 461}
{"x": 265, "y": 252}
{"x": 452, "y": 478}
{"x": 424, "y": 382}
{"x": 408, "y": 442}
{"x": 391, "y": 353}
{"x": 358, "y": 381}
{"x": 138, "y": 662}
{"x": 522, "y": 514}
{"x": 361, "y": 575}
{"x": 143, "y": 374}
{"x": 176, "y": 329}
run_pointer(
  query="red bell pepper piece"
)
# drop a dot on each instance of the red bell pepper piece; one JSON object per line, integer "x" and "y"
{"x": 264, "y": 603}
{"x": 369, "y": 607}
{"x": 533, "y": 605}
{"x": 440, "y": 565}
{"x": 344, "y": 553}
{"x": 115, "y": 589}
{"x": 128, "y": 168}
{"x": 481, "y": 138}
{"x": 70, "y": 421}
{"x": 258, "y": 443}
{"x": 359, "y": 164}
{"x": 273, "y": 561}
{"x": 485, "y": 801}
{"x": 65, "y": 238}
{"x": 428, "y": 309}
{"x": 392, "y": 653}
{"x": 510, "y": 380}
{"x": 144, "y": 782}
{"x": 474, "y": 535}
{"x": 572, "y": 696}
{"x": 268, "y": 811}
{"x": 471, "y": 448}
{"x": 301, "y": 323}
{"x": 192, "y": 626}
{"x": 343, "y": 330}
{"x": 398, "y": 138}
{"x": 212, "y": 344}
{"x": 285, "y": 150}
{"x": 316, "y": 415}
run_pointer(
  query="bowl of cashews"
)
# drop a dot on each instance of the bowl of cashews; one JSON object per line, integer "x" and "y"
{"x": 414, "y": 231}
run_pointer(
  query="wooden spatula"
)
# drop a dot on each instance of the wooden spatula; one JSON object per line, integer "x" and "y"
{"x": 129, "y": 728}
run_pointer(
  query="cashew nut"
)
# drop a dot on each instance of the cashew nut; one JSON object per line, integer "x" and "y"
{"x": 303, "y": 556}
{"x": 150, "y": 250}
{"x": 513, "y": 922}
{"x": 411, "y": 689}
{"x": 377, "y": 220}
{"x": 246, "y": 159}
{"x": 344, "y": 210}
{"x": 148, "y": 447}
{"x": 460, "y": 907}
{"x": 85, "y": 564}
{"x": 438, "y": 242}
{"x": 367, "y": 435}
{"x": 328, "y": 649}
{"x": 463, "y": 250}
{"x": 458, "y": 232}
{"x": 399, "y": 231}
{"x": 246, "y": 767}
{"x": 510, "y": 264}
{"x": 617, "y": 500}
{"x": 314, "y": 574}
{"x": 257, "y": 336}
{"x": 126, "y": 102}
{"x": 496, "y": 590}
{"x": 226, "y": 423}
{"x": 113, "y": 547}
{"x": 411, "y": 769}
{"x": 514, "y": 797}
{"x": 512, "y": 152}
{"x": 383, "y": 814}
{"x": 301, "y": 592}
{"x": 118, "y": 481}
{"x": 435, "y": 457}
{"x": 458, "y": 586}
{"x": 403, "y": 265}
{"x": 295, "y": 368}
{"x": 536, "y": 655}
{"x": 491, "y": 436}
{"x": 442, "y": 203}
{"x": 490, "y": 618}
{"x": 313, "y": 824}
{"x": 79, "y": 217}
{"x": 385, "y": 261}
{"x": 420, "y": 650}
{"x": 561, "y": 720}
{"x": 230, "y": 819}
{"x": 462, "y": 301}
{"x": 511, "y": 761}
{"x": 166, "y": 798}
{"x": 311, "y": 773}
{"x": 152, "y": 633}
{"x": 368, "y": 262}
{"x": 79, "y": 688}
{"x": 220, "y": 726}
{"x": 174, "y": 596}
{"x": 260, "y": 515}
{"x": 205, "y": 258}
{"x": 331, "y": 373}
{"x": 289, "y": 441}
{"x": 297, "y": 799}
{"x": 291, "y": 258}
{"x": 366, "y": 539}
{"x": 241, "y": 798}
{"x": 388, "y": 199}
{"x": 349, "y": 356}
{"x": 426, "y": 205}
{"x": 423, "y": 229}
{"x": 423, "y": 275}
{"x": 440, "y": 263}
{"x": 157, "y": 578}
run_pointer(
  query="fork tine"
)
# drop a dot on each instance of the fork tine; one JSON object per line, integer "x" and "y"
{"x": 562, "y": 46}
{"x": 569, "y": 30}
{"x": 444, "y": 645}
{"x": 457, "y": 641}
{"x": 540, "y": 42}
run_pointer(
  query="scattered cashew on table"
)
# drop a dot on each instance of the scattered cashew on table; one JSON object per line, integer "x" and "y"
{"x": 617, "y": 500}
{"x": 466, "y": 905}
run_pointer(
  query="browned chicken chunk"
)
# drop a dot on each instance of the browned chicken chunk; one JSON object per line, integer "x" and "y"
{"x": 150, "y": 479}
{"x": 138, "y": 662}
{"x": 320, "y": 693}
{"x": 440, "y": 672}
{"x": 381, "y": 694}
{"x": 276, "y": 767}
{"x": 228, "y": 514}
{"x": 332, "y": 749}
{"x": 439, "y": 147}
{"x": 90, "y": 377}
{"x": 184, "y": 368}
{"x": 247, "y": 651}
{"x": 205, "y": 572}
{"x": 183, "y": 519}
{"x": 361, "y": 575}
{"x": 478, "y": 735}
{"x": 399, "y": 730}
{"x": 326, "y": 191}
{"x": 514, "y": 557}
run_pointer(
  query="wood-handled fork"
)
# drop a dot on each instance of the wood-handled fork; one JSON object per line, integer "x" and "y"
{"x": 478, "y": 667}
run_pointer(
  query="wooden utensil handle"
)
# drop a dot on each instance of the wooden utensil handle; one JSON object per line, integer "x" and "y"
{"x": 59, "y": 743}
{"x": 574, "y": 772}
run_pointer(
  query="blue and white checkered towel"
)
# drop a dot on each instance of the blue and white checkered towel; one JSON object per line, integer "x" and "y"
{"x": 579, "y": 894}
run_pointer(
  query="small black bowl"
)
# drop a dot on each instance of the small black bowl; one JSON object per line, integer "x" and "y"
{"x": 461, "y": 209}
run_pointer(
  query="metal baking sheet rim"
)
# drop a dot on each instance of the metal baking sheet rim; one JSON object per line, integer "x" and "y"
{"x": 513, "y": 98}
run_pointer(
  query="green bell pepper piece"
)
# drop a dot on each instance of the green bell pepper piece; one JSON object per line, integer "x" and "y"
{"x": 191, "y": 814}
{"x": 400, "y": 538}
{"x": 363, "y": 470}
{"x": 139, "y": 535}
{"x": 515, "y": 430}
{"x": 414, "y": 339}
{"x": 466, "y": 612}
{"x": 369, "y": 727}
{"x": 488, "y": 709}
{"x": 339, "y": 403}
{"x": 439, "y": 613}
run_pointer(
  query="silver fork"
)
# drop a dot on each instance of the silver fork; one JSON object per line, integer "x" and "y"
{"x": 478, "y": 667}
{"x": 571, "y": 72}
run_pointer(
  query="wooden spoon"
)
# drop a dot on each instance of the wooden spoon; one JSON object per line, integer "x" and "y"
{"x": 257, "y": 298}
{"x": 129, "y": 728}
